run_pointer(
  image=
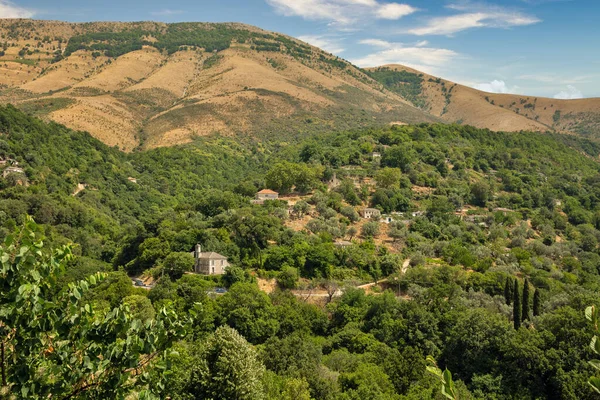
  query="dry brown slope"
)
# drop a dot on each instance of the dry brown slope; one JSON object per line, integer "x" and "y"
{"x": 457, "y": 103}
{"x": 148, "y": 98}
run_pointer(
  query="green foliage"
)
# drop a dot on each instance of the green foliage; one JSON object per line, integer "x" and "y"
{"x": 406, "y": 84}
{"x": 456, "y": 261}
{"x": 177, "y": 263}
{"x": 288, "y": 278}
{"x": 57, "y": 344}
{"x": 444, "y": 377}
{"x": 591, "y": 314}
{"x": 537, "y": 303}
{"x": 517, "y": 310}
{"x": 227, "y": 367}
{"x": 525, "y": 313}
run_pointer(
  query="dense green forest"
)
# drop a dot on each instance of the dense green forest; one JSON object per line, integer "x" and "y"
{"x": 210, "y": 37}
{"x": 489, "y": 260}
{"x": 406, "y": 84}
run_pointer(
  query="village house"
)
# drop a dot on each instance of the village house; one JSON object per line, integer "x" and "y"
{"x": 209, "y": 263}
{"x": 375, "y": 155}
{"x": 267, "y": 194}
{"x": 370, "y": 213}
{"x": 12, "y": 170}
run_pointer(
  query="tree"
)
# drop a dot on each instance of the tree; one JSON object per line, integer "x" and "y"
{"x": 234, "y": 274}
{"x": 350, "y": 213}
{"x": 176, "y": 264}
{"x": 140, "y": 307}
{"x": 525, "y": 314}
{"x": 481, "y": 193}
{"x": 516, "y": 305}
{"x": 537, "y": 302}
{"x": 508, "y": 290}
{"x": 228, "y": 368}
{"x": 301, "y": 208}
{"x": 398, "y": 230}
{"x": 288, "y": 277}
{"x": 351, "y": 232}
{"x": 370, "y": 229}
{"x": 250, "y": 311}
{"x": 57, "y": 345}
{"x": 387, "y": 177}
{"x": 281, "y": 177}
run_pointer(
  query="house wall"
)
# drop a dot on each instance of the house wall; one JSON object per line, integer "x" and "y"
{"x": 211, "y": 266}
{"x": 267, "y": 196}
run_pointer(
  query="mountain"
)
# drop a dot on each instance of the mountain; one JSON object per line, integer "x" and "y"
{"x": 499, "y": 112}
{"x": 146, "y": 84}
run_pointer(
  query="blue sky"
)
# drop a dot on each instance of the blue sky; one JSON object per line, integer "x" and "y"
{"x": 534, "y": 47}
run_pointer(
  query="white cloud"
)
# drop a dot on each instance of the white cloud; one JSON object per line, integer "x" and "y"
{"x": 166, "y": 12}
{"x": 474, "y": 16}
{"x": 11, "y": 10}
{"x": 426, "y": 59}
{"x": 571, "y": 93}
{"x": 326, "y": 43}
{"x": 496, "y": 86}
{"x": 377, "y": 43}
{"x": 394, "y": 11}
{"x": 341, "y": 12}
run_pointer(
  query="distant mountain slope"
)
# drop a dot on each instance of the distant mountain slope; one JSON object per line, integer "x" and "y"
{"x": 145, "y": 85}
{"x": 457, "y": 103}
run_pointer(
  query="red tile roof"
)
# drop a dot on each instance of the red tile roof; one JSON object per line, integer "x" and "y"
{"x": 267, "y": 191}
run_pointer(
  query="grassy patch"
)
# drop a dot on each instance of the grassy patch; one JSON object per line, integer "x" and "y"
{"x": 41, "y": 107}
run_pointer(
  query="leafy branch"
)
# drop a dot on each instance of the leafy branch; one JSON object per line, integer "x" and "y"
{"x": 445, "y": 378}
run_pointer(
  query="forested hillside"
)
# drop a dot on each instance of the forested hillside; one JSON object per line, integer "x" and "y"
{"x": 485, "y": 257}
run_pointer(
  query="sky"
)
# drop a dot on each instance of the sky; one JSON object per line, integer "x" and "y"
{"x": 535, "y": 47}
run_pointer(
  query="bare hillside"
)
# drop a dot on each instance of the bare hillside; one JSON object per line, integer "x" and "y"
{"x": 144, "y": 85}
{"x": 500, "y": 112}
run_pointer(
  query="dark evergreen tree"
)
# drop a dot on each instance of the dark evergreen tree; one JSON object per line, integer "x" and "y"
{"x": 537, "y": 303}
{"x": 508, "y": 294}
{"x": 517, "y": 305}
{"x": 525, "y": 313}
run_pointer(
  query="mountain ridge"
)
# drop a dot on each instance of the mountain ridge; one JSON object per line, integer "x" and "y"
{"x": 454, "y": 102}
{"x": 130, "y": 93}
{"x": 141, "y": 85}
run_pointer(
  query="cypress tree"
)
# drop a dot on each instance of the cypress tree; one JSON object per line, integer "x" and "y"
{"x": 508, "y": 295}
{"x": 525, "y": 314}
{"x": 537, "y": 303}
{"x": 517, "y": 305}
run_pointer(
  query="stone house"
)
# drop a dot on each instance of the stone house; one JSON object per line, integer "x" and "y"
{"x": 371, "y": 213}
{"x": 267, "y": 194}
{"x": 12, "y": 170}
{"x": 209, "y": 263}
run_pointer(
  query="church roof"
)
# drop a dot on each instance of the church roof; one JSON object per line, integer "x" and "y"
{"x": 212, "y": 256}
